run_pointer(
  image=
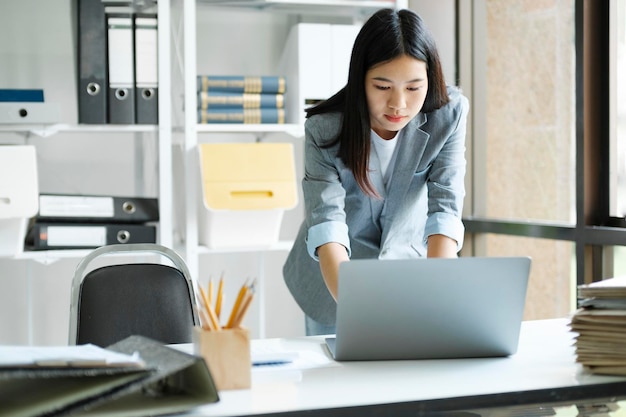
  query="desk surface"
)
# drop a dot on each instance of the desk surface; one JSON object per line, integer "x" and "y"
{"x": 543, "y": 371}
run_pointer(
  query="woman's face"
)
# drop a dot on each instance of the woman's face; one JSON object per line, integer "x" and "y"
{"x": 395, "y": 92}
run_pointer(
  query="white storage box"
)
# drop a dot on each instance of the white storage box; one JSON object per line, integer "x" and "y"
{"x": 246, "y": 188}
{"x": 315, "y": 59}
{"x": 19, "y": 195}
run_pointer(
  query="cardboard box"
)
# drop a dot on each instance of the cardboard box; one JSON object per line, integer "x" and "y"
{"x": 246, "y": 188}
{"x": 19, "y": 196}
{"x": 227, "y": 354}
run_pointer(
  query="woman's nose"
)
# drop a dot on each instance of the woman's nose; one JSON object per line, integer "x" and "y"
{"x": 397, "y": 101}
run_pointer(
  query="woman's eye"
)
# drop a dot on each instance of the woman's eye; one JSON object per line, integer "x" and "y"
{"x": 382, "y": 87}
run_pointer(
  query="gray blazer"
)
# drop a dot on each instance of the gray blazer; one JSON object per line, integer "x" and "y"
{"x": 424, "y": 197}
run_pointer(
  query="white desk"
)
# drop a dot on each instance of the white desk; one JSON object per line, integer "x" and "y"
{"x": 542, "y": 372}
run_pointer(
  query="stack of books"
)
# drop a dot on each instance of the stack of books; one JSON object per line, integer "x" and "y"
{"x": 90, "y": 221}
{"x": 601, "y": 326}
{"x": 241, "y": 99}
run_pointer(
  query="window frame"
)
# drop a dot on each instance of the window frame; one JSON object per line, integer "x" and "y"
{"x": 594, "y": 231}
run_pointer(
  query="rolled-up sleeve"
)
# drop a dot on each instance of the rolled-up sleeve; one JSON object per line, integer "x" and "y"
{"x": 446, "y": 224}
{"x": 323, "y": 233}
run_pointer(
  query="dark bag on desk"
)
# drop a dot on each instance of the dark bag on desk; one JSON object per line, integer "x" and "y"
{"x": 171, "y": 382}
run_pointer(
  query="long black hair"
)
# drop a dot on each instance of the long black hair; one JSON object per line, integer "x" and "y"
{"x": 387, "y": 34}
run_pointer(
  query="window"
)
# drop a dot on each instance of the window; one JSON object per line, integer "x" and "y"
{"x": 546, "y": 158}
{"x": 617, "y": 90}
{"x": 523, "y": 141}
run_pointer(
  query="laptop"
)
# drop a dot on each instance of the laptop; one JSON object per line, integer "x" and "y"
{"x": 429, "y": 308}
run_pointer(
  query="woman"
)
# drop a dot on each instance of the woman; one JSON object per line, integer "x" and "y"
{"x": 384, "y": 164}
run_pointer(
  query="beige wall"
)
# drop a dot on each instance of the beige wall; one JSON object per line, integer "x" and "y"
{"x": 525, "y": 157}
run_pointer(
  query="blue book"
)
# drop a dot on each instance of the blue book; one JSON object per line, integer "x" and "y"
{"x": 23, "y": 95}
{"x": 223, "y": 99}
{"x": 239, "y": 116}
{"x": 242, "y": 84}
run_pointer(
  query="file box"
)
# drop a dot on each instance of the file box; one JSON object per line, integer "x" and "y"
{"x": 246, "y": 187}
{"x": 19, "y": 196}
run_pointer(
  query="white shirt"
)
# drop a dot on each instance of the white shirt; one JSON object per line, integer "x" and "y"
{"x": 382, "y": 155}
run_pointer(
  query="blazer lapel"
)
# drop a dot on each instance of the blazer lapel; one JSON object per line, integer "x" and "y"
{"x": 376, "y": 177}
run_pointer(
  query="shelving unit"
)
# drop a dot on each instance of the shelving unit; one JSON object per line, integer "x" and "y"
{"x": 157, "y": 137}
{"x": 192, "y": 133}
{"x": 318, "y": 7}
{"x": 192, "y": 130}
{"x": 195, "y": 133}
{"x": 162, "y": 133}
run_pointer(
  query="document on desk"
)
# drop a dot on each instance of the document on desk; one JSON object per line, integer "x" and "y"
{"x": 134, "y": 377}
{"x": 273, "y": 361}
{"x": 66, "y": 356}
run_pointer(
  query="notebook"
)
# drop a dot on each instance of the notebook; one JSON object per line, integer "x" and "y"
{"x": 429, "y": 308}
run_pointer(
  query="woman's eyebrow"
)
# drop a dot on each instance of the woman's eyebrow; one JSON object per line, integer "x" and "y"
{"x": 414, "y": 80}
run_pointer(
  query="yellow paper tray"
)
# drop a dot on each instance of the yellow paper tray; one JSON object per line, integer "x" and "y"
{"x": 248, "y": 176}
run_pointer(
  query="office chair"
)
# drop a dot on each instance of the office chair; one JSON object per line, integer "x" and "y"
{"x": 112, "y": 302}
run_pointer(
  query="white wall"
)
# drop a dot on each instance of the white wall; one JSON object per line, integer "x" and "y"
{"x": 440, "y": 18}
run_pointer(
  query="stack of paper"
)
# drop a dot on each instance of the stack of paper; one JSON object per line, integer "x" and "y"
{"x": 601, "y": 326}
{"x": 80, "y": 356}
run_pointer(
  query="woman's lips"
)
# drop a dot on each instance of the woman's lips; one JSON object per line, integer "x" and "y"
{"x": 394, "y": 119}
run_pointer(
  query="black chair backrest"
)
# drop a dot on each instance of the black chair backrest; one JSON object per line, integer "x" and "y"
{"x": 150, "y": 300}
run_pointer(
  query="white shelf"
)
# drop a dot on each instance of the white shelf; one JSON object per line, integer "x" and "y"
{"x": 293, "y": 129}
{"x": 317, "y": 7}
{"x": 258, "y": 130}
{"x": 52, "y": 129}
{"x": 47, "y": 257}
{"x": 283, "y": 245}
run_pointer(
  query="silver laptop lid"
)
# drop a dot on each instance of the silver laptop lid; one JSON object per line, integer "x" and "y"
{"x": 430, "y": 308}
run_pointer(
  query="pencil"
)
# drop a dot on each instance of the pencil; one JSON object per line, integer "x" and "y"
{"x": 244, "y": 308}
{"x": 209, "y": 310}
{"x": 218, "y": 302}
{"x": 238, "y": 301}
{"x": 204, "y": 320}
{"x": 210, "y": 287}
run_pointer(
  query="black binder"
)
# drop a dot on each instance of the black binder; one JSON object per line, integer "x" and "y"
{"x": 46, "y": 236}
{"x": 171, "y": 382}
{"x": 146, "y": 64}
{"x": 102, "y": 209}
{"x": 121, "y": 88}
{"x": 92, "y": 61}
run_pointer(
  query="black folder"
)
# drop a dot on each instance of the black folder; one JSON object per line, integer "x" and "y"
{"x": 45, "y": 236}
{"x": 170, "y": 382}
{"x": 100, "y": 209}
{"x": 146, "y": 74}
{"x": 90, "y": 32}
{"x": 121, "y": 47}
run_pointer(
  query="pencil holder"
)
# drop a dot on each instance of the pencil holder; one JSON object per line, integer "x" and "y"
{"x": 227, "y": 354}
